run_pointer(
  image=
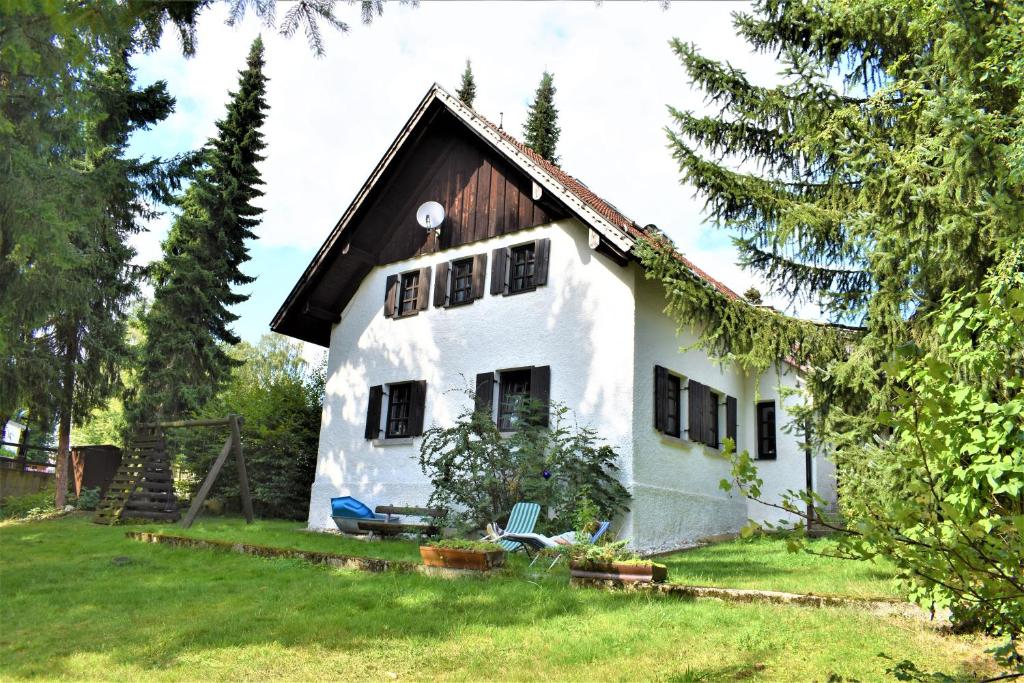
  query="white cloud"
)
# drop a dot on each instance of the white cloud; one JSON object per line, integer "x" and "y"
{"x": 331, "y": 119}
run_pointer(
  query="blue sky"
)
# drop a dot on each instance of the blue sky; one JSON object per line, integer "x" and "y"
{"x": 331, "y": 119}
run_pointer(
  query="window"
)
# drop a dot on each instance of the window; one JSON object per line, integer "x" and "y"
{"x": 672, "y": 406}
{"x": 399, "y": 399}
{"x": 402, "y": 414}
{"x": 521, "y": 268}
{"x": 407, "y": 292}
{"x": 711, "y": 420}
{"x": 513, "y": 393}
{"x": 766, "y": 430}
{"x": 462, "y": 282}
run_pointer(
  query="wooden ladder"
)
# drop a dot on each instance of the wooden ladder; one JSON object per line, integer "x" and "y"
{"x": 143, "y": 487}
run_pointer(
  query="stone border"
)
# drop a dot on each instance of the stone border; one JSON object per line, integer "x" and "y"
{"x": 886, "y": 607}
{"x": 364, "y": 564}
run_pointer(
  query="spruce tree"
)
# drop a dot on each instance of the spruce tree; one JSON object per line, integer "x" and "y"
{"x": 467, "y": 89}
{"x": 883, "y": 180}
{"x": 183, "y": 358}
{"x": 541, "y": 130}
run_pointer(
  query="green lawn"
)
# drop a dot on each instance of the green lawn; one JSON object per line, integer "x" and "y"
{"x": 764, "y": 563}
{"x": 80, "y": 601}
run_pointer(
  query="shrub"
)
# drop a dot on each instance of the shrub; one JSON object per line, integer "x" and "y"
{"x": 28, "y": 506}
{"x": 465, "y": 544}
{"x": 88, "y": 499}
{"x": 479, "y": 474}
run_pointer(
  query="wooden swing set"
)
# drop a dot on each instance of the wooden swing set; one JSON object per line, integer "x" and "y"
{"x": 143, "y": 487}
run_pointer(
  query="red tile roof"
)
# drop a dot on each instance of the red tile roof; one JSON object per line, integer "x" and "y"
{"x": 606, "y": 209}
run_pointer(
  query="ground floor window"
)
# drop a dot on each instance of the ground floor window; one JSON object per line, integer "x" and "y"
{"x": 766, "y": 430}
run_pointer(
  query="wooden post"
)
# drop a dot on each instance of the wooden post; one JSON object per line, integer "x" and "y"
{"x": 23, "y": 449}
{"x": 204, "y": 490}
{"x": 243, "y": 477}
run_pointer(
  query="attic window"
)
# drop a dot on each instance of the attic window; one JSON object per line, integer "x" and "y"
{"x": 521, "y": 268}
{"x": 407, "y": 293}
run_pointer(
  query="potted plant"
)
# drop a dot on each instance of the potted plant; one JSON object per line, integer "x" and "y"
{"x": 612, "y": 562}
{"x": 456, "y": 553}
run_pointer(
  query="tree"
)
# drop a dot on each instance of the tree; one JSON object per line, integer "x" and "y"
{"x": 753, "y": 295}
{"x": 467, "y": 89}
{"x": 882, "y": 175}
{"x": 541, "y": 131}
{"x": 183, "y": 360}
{"x": 280, "y": 399}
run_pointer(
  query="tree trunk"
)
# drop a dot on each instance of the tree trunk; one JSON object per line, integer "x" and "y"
{"x": 64, "y": 427}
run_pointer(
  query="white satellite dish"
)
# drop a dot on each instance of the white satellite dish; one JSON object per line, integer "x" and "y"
{"x": 430, "y": 215}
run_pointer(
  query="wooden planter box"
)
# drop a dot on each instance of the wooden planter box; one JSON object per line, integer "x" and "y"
{"x": 450, "y": 558}
{"x": 619, "y": 571}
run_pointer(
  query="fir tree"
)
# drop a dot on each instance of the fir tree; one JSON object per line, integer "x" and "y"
{"x": 467, "y": 89}
{"x": 883, "y": 179}
{"x": 541, "y": 130}
{"x": 183, "y": 358}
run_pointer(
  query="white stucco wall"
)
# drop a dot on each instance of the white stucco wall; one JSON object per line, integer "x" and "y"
{"x": 581, "y": 324}
{"x": 677, "y": 498}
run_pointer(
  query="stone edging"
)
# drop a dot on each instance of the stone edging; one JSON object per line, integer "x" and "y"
{"x": 376, "y": 565}
{"x": 365, "y": 564}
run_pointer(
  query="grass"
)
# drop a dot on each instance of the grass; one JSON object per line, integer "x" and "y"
{"x": 80, "y": 601}
{"x": 764, "y": 563}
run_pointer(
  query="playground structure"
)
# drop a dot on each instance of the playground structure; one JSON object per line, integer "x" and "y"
{"x": 143, "y": 488}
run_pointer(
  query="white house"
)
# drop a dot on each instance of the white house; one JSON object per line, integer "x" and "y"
{"x": 529, "y": 287}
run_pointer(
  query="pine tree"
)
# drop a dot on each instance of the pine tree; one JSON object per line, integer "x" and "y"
{"x": 541, "y": 130}
{"x": 467, "y": 89}
{"x": 183, "y": 358}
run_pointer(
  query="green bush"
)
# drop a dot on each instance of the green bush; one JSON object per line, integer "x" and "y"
{"x": 465, "y": 544}
{"x": 29, "y": 505}
{"x": 88, "y": 499}
{"x": 480, "y": 473}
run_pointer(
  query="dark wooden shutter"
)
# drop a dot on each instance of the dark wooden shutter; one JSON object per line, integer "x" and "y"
{"x": 540, "y": 391}
{"x": 660, "y": 398}
{"x": 441, "y": 285}
{"x": 695, "y": 398}
{"x": 479, "y": 275}
{"x": 417, "y": 407}
{"x": 730, "y": 419}
{"x": 390, "y": 296}
{"x": 540, "y": 254}
{"x": 498, "y": 271}
{"x": 373, "y": 412}
{"x": 423, "y": 289}
{"x": 485, "y": 392}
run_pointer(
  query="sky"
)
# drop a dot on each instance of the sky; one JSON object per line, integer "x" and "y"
{"x": 332, "y": 118}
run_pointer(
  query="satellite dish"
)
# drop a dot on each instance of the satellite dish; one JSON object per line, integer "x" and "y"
{"x": 430, "y": 215}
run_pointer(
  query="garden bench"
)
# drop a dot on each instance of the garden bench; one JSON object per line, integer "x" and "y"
{"x": 391, "y": 525}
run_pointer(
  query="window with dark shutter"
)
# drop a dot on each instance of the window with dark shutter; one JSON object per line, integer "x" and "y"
{"x": 766, "y": 449}
{"x": 513, "y": 393}
{"x": 522, "y": 268}
{"x": 408, "y": 289}
{"x": 461, "y": 288}
{"x": 399, "y": 410}
{"x": 373, "y": 412}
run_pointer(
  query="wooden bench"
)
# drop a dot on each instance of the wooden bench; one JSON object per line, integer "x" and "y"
{"x": 390, "y": 527}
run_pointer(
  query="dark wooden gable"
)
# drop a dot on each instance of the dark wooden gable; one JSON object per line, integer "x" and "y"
{"x": 442, "y": 160}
